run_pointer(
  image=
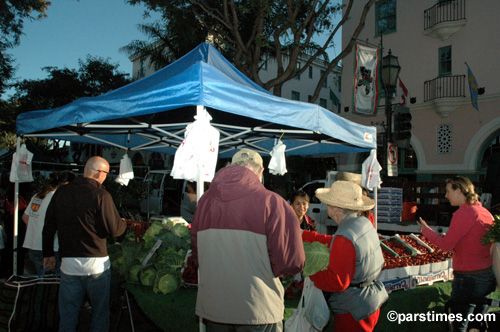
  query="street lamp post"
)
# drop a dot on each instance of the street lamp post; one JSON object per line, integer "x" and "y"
{"x": 390, "y": 73}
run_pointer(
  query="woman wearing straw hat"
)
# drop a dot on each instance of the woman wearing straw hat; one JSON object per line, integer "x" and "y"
{"x": 356, "y": 178}
{"x": 355, "y": 259}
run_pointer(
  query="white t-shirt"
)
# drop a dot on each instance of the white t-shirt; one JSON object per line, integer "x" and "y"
{"x": 36, "y": 212}
{"x": 84, "y": 266}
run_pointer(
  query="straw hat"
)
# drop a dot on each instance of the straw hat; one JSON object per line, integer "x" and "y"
{"x": 345, "y": 195}
{"x": 348, "y": 176}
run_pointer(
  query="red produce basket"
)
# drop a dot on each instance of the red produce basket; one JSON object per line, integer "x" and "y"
{"x": 139, "y": 228}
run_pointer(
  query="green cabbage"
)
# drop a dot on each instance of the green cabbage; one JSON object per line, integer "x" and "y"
{"x": 133, "y": 274}
{"x": 166, "y": 284}
{"x": 153, "y": 230}
{"x": 169, "y": 239}
{"x": 181, "y": 230}
{"x": 148, "y": 276}
{"x": 317, "y": 258}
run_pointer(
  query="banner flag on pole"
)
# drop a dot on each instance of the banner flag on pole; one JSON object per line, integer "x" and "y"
{"x": 472, "y": 88}
{"x": 404, "y": 93}
{"x": 366, "y": 79}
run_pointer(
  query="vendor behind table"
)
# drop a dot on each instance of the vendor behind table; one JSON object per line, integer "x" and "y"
{"x": 473, "y": 277}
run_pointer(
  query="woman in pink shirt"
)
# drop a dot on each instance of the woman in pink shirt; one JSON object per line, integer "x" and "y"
{"x": 473, "y": 277}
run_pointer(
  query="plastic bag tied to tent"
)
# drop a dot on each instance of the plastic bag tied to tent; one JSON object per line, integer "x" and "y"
{"x": 20, "y": 170}
{"x": 277, "y": 165}
{"x": 196, "y": 157}
{"x": 126, "y": 171}
{"x": 370, "y": 177}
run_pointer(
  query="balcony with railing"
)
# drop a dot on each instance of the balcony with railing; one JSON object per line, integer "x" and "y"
{"x": 444, "y": 19}
{"x": 445, "y": 93}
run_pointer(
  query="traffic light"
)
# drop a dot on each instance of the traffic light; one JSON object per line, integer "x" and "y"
{"x": 402, "y": 126}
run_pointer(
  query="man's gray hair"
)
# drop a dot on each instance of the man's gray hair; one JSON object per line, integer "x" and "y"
{"x": 249, "y": 163}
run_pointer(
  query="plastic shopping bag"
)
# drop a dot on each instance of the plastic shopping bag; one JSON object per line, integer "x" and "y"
{"x": 196, "y": 157}
{"x": 126, "y": 171}
{"x": 495, "y": 257}
{"x": 298, "y": 322}
{"x": 20, "y": 170}
{"x": 277, "y": 164}
{"x": 312, "y": 313}
{"x": 317, "y": 311}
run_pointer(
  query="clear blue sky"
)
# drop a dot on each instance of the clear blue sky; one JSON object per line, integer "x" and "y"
{"x": 74, "y": 29}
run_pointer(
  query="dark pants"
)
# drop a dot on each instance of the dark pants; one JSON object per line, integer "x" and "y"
{"x": 72, "y": 291}
{"x": 469, "y": 295}
{"x": 217, "y": 327}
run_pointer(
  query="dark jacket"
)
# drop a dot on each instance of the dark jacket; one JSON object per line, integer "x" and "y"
{"x": 84, "y": 215}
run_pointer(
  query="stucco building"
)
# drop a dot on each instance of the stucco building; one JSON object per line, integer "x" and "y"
{"x": 433, "y": 41}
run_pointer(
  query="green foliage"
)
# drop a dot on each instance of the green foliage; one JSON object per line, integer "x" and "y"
{"x": 151, "y": 233}
{"x": 175, "y": 241}
{"x": 133, "y": 274}
{"x": 317, "y": 258}
{"x": 163, "y": 269}
{"x": 493, "y": 233}
{"x": 148, "y": 276}
{"x": 248, "y": 33}
{"x": 180, "y": 230}
{"x": 94, "y": 77}
{"x": 126, "y": 197}
{"x": 167, "y": 283}
{"x": 13, "y": 13}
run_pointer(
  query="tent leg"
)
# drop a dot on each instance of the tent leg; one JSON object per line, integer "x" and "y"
{"x": 375, "y": 191}
{"x": 16, "y": 210}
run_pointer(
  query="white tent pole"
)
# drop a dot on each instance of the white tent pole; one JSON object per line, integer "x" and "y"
{"x": 16, "y": 209}
{"x": 199, "y": 191}
{"x": 375, "y": 190}
{"x": 200, "y": 111}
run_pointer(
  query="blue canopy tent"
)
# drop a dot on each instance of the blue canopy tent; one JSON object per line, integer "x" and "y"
{"x": 152, "y": 114}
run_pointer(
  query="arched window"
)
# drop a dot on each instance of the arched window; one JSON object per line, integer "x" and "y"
{"x": 492, "y": 146}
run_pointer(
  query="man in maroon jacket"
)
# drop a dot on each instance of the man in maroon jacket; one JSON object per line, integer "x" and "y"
{"x": 244, "y": 237}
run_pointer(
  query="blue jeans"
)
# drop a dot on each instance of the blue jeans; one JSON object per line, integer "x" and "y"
{"x": 469, "y": 295}
{"x": 72, "y": 293}
{"x": 36, "y": 256}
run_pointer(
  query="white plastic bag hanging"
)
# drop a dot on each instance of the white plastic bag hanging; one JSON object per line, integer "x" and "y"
{"x": 277, "y": 165}
{"x": 20, "y": 169}
{"x": 126, "y": 171}
{"x": 312, "y": 313}
{"x": 317, "y": 311}
{"x": 197, "y": 155}
{"x": 370, "y": 177}
{"x": 297, "y": 321}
